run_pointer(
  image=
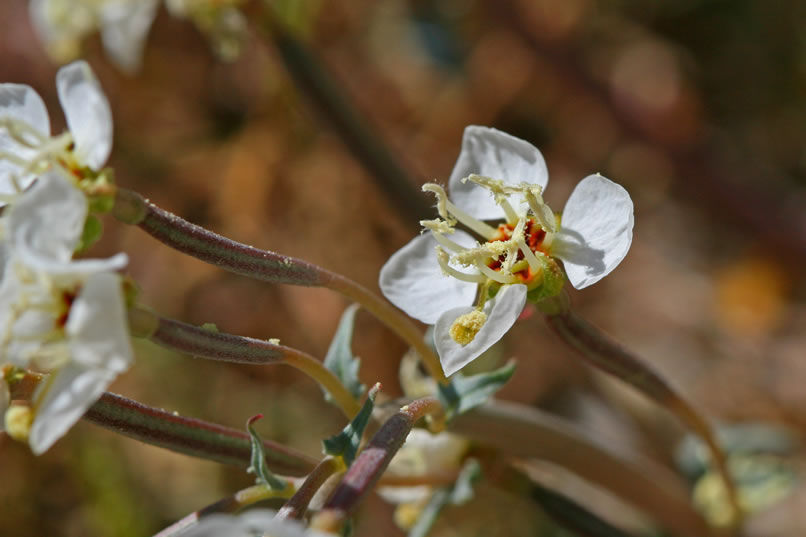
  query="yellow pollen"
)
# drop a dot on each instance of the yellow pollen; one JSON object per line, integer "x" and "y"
{"x": 465, "y": 327}
{"x": 18, "y": 422}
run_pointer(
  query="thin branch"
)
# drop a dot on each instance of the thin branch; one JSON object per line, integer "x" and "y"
{"x": 214, "y": 345}
{"x": 371, "y": 463}
{"x": 181, "y": 235}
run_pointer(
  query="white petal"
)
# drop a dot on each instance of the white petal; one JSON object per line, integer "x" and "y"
{"x": 46, "y": 223}
{"x": 87, "y": 110}
{"x": 495, "y": 154}
{"x": 596, "y": 230}
{"x": 125, "y": 25}
{"x": 21, "y": 104}
{"x": 413, "y": 281}
{"x": 250, "y": 524}
{"x": 502, "y": 312}
{"x": 71, "y": 392}
{"x": 98, "y": 327}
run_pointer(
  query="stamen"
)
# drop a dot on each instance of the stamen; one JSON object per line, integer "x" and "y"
{"x": 529, "y": 256}
{"x": 446, "y": 242}
{"x": 442, "y": 199}
{"x": 543, "y": 213}
{"x": 486, "y": 231}
{"x": 501, "y": 200}
{"x": 437, "y": 227}
{"x": 443, "y": 258}
{"x": 496, "y": 275}
{"x": 512, "y": 246}
{"x": 470, "y": 256}
{"x": 499, "y": 192}
{"x": 451, "y": 212}
{"x": 465, "y": 327}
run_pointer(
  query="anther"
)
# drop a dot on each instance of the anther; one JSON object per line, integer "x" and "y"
{"x": 443, "y": 258}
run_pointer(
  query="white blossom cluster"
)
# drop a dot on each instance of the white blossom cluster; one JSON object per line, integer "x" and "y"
{"x": 60, "y": 316}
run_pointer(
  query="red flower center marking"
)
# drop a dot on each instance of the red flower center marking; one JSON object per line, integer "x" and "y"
{"x": 534, "y": 235}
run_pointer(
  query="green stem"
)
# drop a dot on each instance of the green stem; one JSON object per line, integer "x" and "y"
{"x": 225, "y": 253}
{"x": 605, "y": 354}
{"x": 371, "y": 463}
{"x": 213, "y": 345}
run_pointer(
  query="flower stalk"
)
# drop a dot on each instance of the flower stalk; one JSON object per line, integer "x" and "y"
{"x": 210, "y": 247}
{"x": 214, "y": 345}
{"x": 297, "y": 505}
{"x": 168, "y": 430}
{"x": 371, "y": 463}
{"x": 602, "y": 352}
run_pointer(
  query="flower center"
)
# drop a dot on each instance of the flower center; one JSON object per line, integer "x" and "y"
{"x": 515, "y": 252}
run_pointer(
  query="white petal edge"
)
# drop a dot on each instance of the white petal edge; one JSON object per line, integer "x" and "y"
{"x": 46, "y": 223}
{"x": 596, "y": 230}
{"x": 98, "y": 327}
{"x": 249, "y": 522}
{"x": 413, "y": 281}
{"x": 71, "y": 392}
{"x": 496, "y": 154}
{"x": 21, "y": 103}
{"x": 87, "y": 111}
{"x": 125, "y": 25}
{"x": 502, "y": 312}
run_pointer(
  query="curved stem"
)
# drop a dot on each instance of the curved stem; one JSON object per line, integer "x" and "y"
{"x": 371, "y": 463}
{"x": 213, "y": 345}
{"x": 232, "y": 504}
{"x": 516, "y": 430}
{"x": 169, "y": 430}
{"x": 181, "y": 235}
{"x": 297, "y": 505}
{"x": 391, "y": 317}
{"x": 605, "y": 354}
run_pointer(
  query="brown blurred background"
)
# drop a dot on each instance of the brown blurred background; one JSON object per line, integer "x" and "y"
{"x": 697, "y": 107}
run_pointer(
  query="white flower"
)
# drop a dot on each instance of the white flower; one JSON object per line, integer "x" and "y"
{"x": 26, "y": 146}
{"x": 57, "y": 315}
{"x": 253, "y": 523}
{"x": 124, "y": 24}
{"x": 435, "y": 277}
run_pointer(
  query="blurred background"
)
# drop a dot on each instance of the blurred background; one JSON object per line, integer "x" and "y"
{"x": 697, "y": 107}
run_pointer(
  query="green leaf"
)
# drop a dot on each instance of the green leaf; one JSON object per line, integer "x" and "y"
{"x": 340, "y": 360}
{"x": 459, "y": 493}
{"x": 465, "y": 393}
{"x": 345, "y": 444}
{"x": 257, "y": 464}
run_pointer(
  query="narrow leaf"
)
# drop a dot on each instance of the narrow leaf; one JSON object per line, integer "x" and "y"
{"x": 459, "y": 493}
{"x": 465, "y": 393}
{"x": 345, "y": 444}
{"x": 340, "y": 360}
{"x": 573, "y": 516}
{"x": 257, "y": 463}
